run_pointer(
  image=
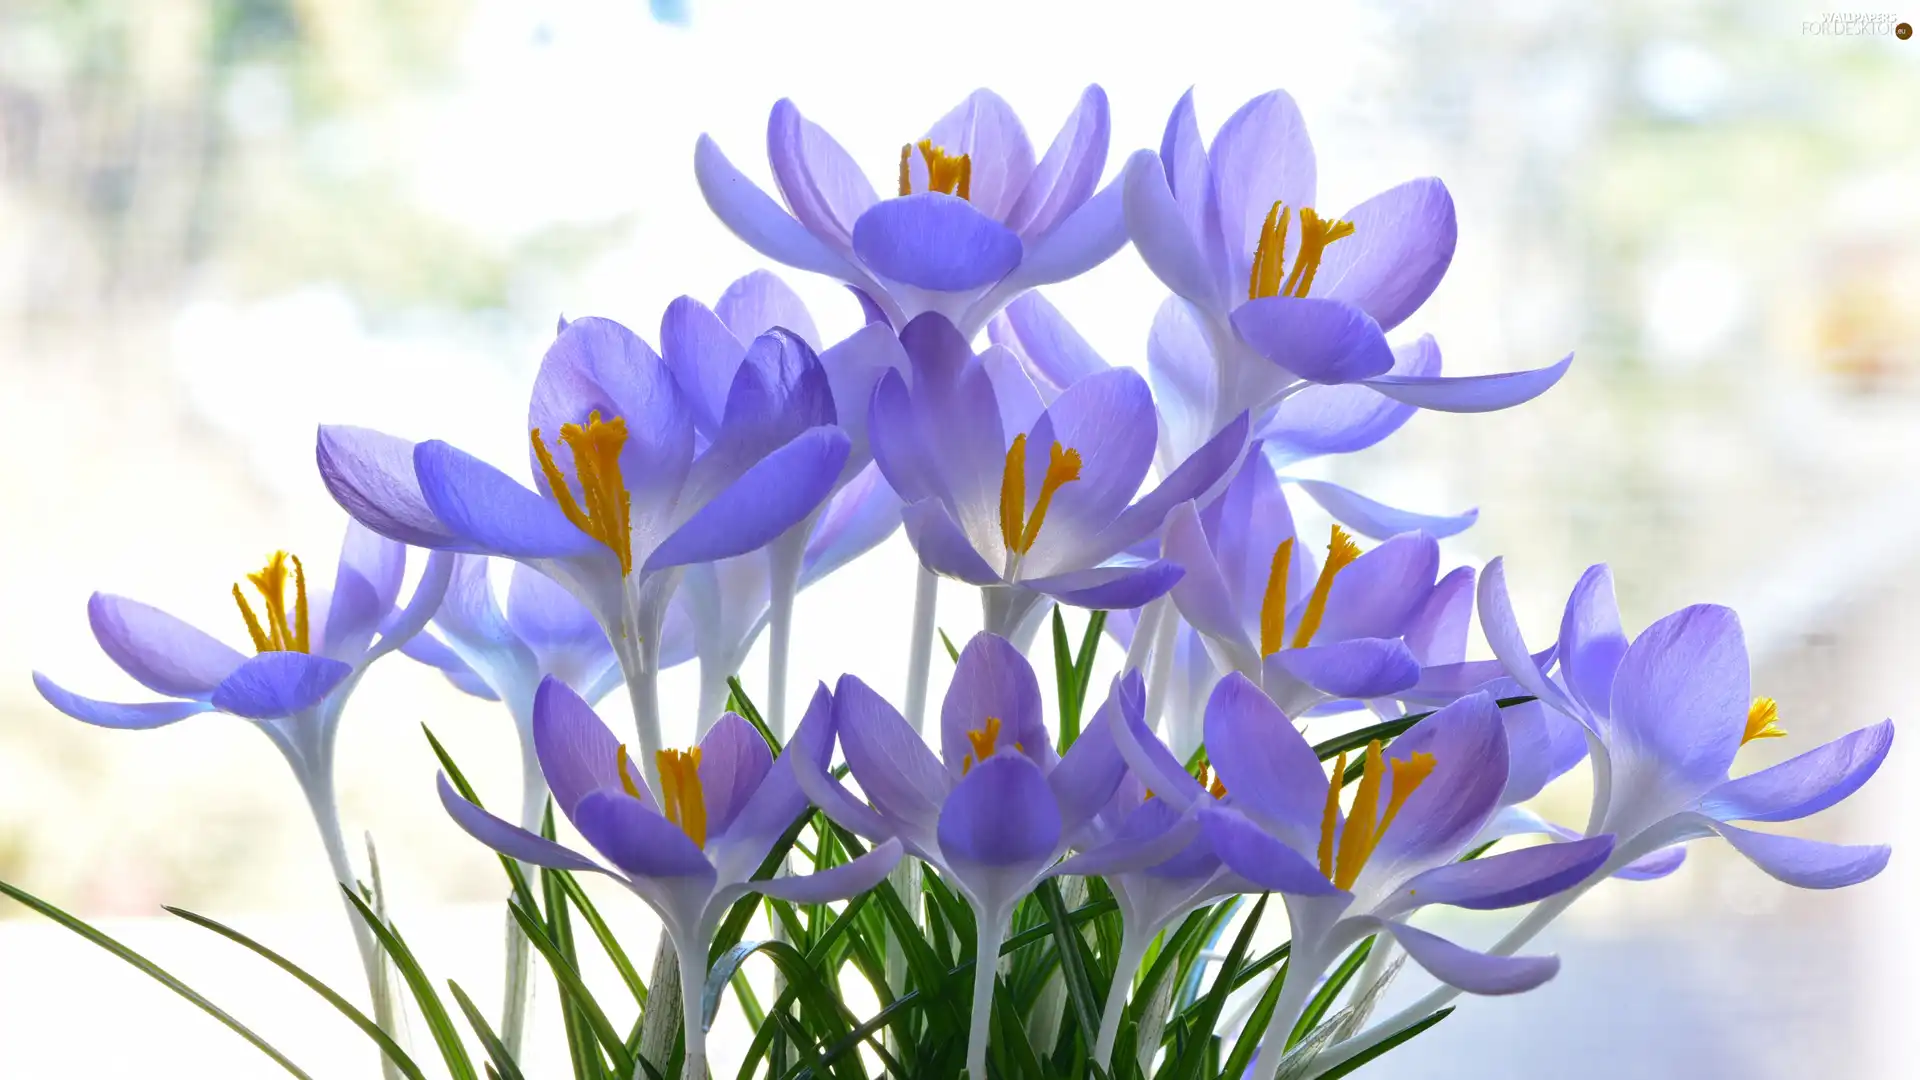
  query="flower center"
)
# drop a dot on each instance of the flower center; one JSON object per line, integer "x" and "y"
{"x": 603, "y": 510}
{"x": 1343, "y": 860}
{"x": 984, "y": 739}
{"x": 1017, "y": 527}
{"x": 682, "y": 799}
{"x": 1763, "y": 721}
{"x": 1341, "y": 552}
{"x": 1270, "y": 254}
{"x": 948, "y": 174}
{"x": 278, "y": 633}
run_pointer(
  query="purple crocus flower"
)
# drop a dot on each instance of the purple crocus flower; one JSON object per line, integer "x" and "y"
{"x": 690, "y": 853}
{"x": 623, "y": 499}
{"x": 1669, "y": 713}
{"x": 976, "y": 220}
{"x": 1047, "y": 511}
{"x": 1350, "y": 874}
{"x": 725, "y": 604}
{"x": 993, "y": 812}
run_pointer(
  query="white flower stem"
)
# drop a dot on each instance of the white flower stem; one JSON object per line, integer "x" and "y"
{"x": 1144, "y": 629}
{"x": 784, "y": 559}
{"x": 639, "y": 662}
{"x": 1160, "y": 677}
{"x": 986, "y": 967}
{"x": 926, "y": 594}
{"x": 693, "y": 980}
{"x": 713, "y": 695}
{"x": 1133, "y": 949}
{"x": 1302, "y": 974}
{"x": 517, "y": 1000}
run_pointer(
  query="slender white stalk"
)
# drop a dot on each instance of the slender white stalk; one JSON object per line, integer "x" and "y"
{"x": 693, "y": 981}
{"x": 926, "y": 594}
{"x": 1133, "y": 949}
{"x": 1144, "y": 629}
{"x": 1302, "y": 973}
{"x": 783, "y": 572}
{"x": 1160, "y": 676}
{"x": 517, "y": 1002}
{"x": 905, "y": 879}
{"x": 713, "y": 694}
{"x": 639, "y": 662}
{"x": 986, "y": 967}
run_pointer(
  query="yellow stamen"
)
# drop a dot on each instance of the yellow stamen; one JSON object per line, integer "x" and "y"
{"x": 1273, "y": 607}
{"x": 625, "y": 765}
{"x": 1018, "y": 529}
{"x": 1330, "y": 817}
{"x": 948, "y": 174}
{"x": 279, "y": 632}
{"x": 1408, "y": 774}
{"x": 1365, "y": 823}
{"x": 1269, "y": 253}
{"x": 681, "y": 797}
{"x": 603, "y": 510}
{"x": 983, "y": 740}
{"x": 1341, "y": 551}
{"x": 1357, "y": 839}
{"x": 1763, "y": 721}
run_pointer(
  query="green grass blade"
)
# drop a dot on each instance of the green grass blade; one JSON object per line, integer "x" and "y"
{"x": 952, "y": 653}
{"x": 743, "y": 706}
{"x": 575, "y": 990}
{"x": 459, "y": 781}
{"x": 360, "y": 1020}
{"x": 1063, "y": 672}
{"x": 1073, "y": 959}
{"x": 603, "y": 934}
{"x": 452, "y": 1050}
{"x": 1356, "y": 1061}
{"x": 1388, "y": 729}
{"x": 1194, "y": 1058}
{"x": 501, "y": 1064}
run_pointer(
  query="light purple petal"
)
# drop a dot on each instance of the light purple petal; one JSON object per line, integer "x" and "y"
{"x": 1472, "y": 393}
{"x": 1109, "y": 588}
{"x": 1147, "y": 756}
{"x": 162, "y": 653}
{"x": 1378, "y": 594}
{"x": 986, "y": 128}
{"x": 942, "y": 547}
{"x": 132, "y": 717}
{"x": 809, "y": 750}
{"x": 842, "y": 882}
{"x": 1152, "y": 832}
{"x": 366, "y": 586}
{"x": 435, "y": 653}
{"x": 1401, "y": 245}
{"x": 1358, "y": 668}
{"x": 1108, "y": 417}
{"x": 760, "y": 301}
{"x": 1342, "y": 419}
{"x": 1591, "y": 640}
{"x": 759, "y": 221}
{"x": 1474, "y": 972}
{"x": 554, "y": 624}
{"x": 1680, "y": 698}
{"x": 371, "y": 475}
{"x": 1013, "y": 389}
{"x": 1261, "y": 156}
{"x": 1089, "y": 236}
{"x": 1653, "y": 867}
{"x": 937, "y": 242}
{"x": 703, "y": 354}
{"x": 1182, "y": 372}
{"x": 1508, "y": 879}
{"x": 1045, "y": 342}
{"x": 1437, "y": 633}
{"x": 1807, "y": 864}
{"x": 1067, "y": 175}
{"x": 630, "y": 835}
{"x": 893, "y": 766}
{"x": 1261, "y": 859}
{"x": 1267, "y": 767}
{"x": 764, "y": 502}
{"x": 734, "y": 760}
{"x": 1468, "y": 741}
{"x": 1001, "y": 814}
{"x": 1324, "y": 341}
{"x": 1806, "y": 784}
{"x": 857, "y": 519}
{"x": 1502, "y": 631}
{"x": 1376, "y": 520}
{"x": 899, "y": 442}
{"x": 1193, "y": 478}
{"x": 277, "y": 684}
{"x": 991, "y": 679}
{"x": 1161, "y": 234}
{"x": 818, "y": 179}
{"x": 577, "y": 753}
{"x": 509, "y": 840}
{"x": 598, "y": 365}
{"x": 854, "y": 368}
{"x": 486, "y": 508}
{"x": 1090, "y": 771}
{"x": 1202, "y": 593}
{"x": 1183, "y": 158}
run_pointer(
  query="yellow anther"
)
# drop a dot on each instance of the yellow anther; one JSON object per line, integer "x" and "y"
{"x": 1210, "y": 781}
{"x": 604, "y": 508}
{"x": 280, "y": 632}
{"x": 1273, "y": 606}
{"x": 1269, "y": 253}
{"x": 1366, "y": 824}
{"x": 625, "y": 765}
{"x": 1019, "y": 529}
{"x": 1763, "y": 721}
{"x": 948, "y": 174}
{"x": 681, "y": 798}
{"x": 983, "y": 740}
{"x": 1341, "y": 551}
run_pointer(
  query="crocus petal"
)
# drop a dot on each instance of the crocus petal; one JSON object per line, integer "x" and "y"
{"x": 1183, "y": 158}
{"x": 1378, "y": 521}
{"x": 509, "y": 840}
{"x": 1151, "y": 761}
{"x": 434, "y": 653}
{"x": 1090, "y": 771}
{"x": 1045, "y": 342}
{"x": 1193, "y": 479}
{"x": 899, "y": 444}
{"x": 1378, "y": 594}
{"x": 1806, "y": 864}
{"x": 1653, "y": 867}
{"x": 365, "y": 586}
{"x": 1183, "y": 373}
{"x": 1324, "y": 341}
{"x": 1066, "y": 176}
{"x": 759, "y": 221}
{"x": 986, "y": 128}
{"x": 132, "y": 717}
{"x": 1474, "y": 972}
{"x": 1361, "y": 668}
{"x": 636, "y": 839}
{"x": 1401, "y": 245}
{"x": 942, "y": 547}
{"x": 599, "y": 366}
{"x": 760, "y": 301}
{"x": 1001, "y": 814}
{"x": 734, "y": 760}
{"x": 856, "y": 520}
{"x": 1261, "y": 859}
{"x": 162, "y": 653}
{"x": 854, "y": 368}
{"x": 808, "y": 752}
{"x": 577, "y": 753}
{"x": 1160, "y": 233}
{"x": 1261, "y": 156}
{"x": 1013, "y": 389}
{"x": 847, "y": 880}
{"x": 277, "y": 684}
{"x": 818, "y": 179}
{"x": 703, "y": 354}
{"x": 1508, "y": 879}
{"x": 469, "y": 613}
{"x": 1472, "y": 393}
{"x": 1109, "y": 588}
{"x": 764, "y": 502}
{"x": 487, "y": 509}
{"x": 371, "y": 475}
{"x": 1468, "y": 741}
{"x": 1806, "y": 784}
{"x": 1437, "y": 633}
{"x": 559, "y": 629}
{"x": 991, "y": 679}
{"x": 1088, "y": 237}
{"x": 1320, "y": 420}
{"x": 1150, "y": 834}
{"x": 899, "y": 775}
{"x": 1266, "y": 765}
{"x": 1108, "y": 418}
{"x": 1679, "y": 705}
{"x": 399, "y": 627}
{"x": 935, "y": 241}
{"x": 1202, "y": 593}
{"x": 1502, "y": 630}
{"x": 1591, "y": 640}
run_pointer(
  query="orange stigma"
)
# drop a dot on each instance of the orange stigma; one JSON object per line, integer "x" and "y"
{"x": 1763, "y": 721}
{"x": 1269, "y": 255}
{"x": 1344, "y": 852}
{"x": 681, "y": 798}
{"x": 604, "y": 508}
{"x": 278, "y": 633}
{"x": 1341, "y": 551}
{"x": 1018, "y": 528}
{"x": 948, "y": 174}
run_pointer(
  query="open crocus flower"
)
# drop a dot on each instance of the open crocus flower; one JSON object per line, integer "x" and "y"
{"x": 1668, "y": 714}
{"x": 975, "y": 220}
{"x": 690, "y": 852}
{"x": 1041, "y": 510}
{"x": 1279, "y": 299}
{"x": 1304, "y": 634}
{"x": 1353, "y": 872}
{"x": 725, "y": 604}
{"x": 993, "y": 812}
{"x": 623, "y": 499}
{"x": 1308, "y": 422}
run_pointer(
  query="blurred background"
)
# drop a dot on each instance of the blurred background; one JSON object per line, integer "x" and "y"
{"x": 225, "y": 221}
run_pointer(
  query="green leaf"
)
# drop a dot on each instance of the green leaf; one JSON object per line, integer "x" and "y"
{"x": 360, "y": 1020}
{"x": 1194, "y": 1058}
{"x": 452, "y": 1050}
{"x": 603, "y": 934}
{"x": 1063, "y": 672}
{"x": 152, "y": 970}
{"x": 1256, "y": 1028}
{"x": 952, "y": 653}
{"x": 502, "y": 1064}
{"x": 741, "y": 704}
{"x": 1363, "y": 1057}
{"x": 1073, "y": 959}
{"x": 574, "y": 990}
{"x": 1387, "y": 729}
{"x": 459, "y": 781}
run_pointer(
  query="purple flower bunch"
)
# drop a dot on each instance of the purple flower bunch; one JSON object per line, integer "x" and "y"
{"x": 675, "y": 501}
